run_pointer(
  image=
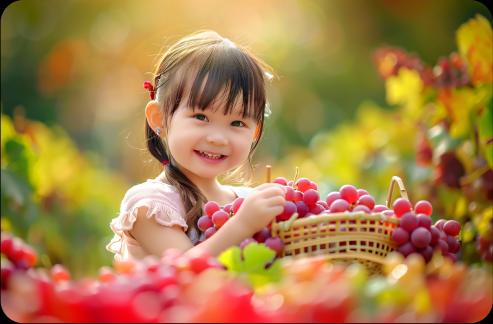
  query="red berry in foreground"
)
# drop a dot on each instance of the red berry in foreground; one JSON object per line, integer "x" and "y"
{"x": 401, "y": 206}
{"x": 275, "y": 243}
{"x": 331, "y": 197}
{"x": 423, "y": 207}
{"x": 424, "y": 221}
{"x": 408, "y": 222}
{"x": 219, "y": 218}
{"x": 451, "y": 227}
{"x": 211, "y": 207}
{"x": 400, "y": 236}
{"x": 281, "y": 181}
{"x": 349, "y": 193}
{"x": 379, "y": 208}
{"x": 339, "y": 206}
{"x": 209, "y": 232}
{"x": 420, "y": 237}
{"x": 310, "y": 197}
{"x": 289, "y": 209}
{"x": 204, "y": 222}
{"x": 367, "y": 200}
{"x": 303, "y": 184}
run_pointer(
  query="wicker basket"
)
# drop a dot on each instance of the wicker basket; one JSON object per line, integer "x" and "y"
{"x": 342, "y": 237}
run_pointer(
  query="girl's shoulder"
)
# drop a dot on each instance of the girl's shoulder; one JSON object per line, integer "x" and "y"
{"x": 152, "y": 189}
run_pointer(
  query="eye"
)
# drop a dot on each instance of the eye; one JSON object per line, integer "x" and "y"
{"x": 200, "y": 117}
{"x": 238, "y": 123}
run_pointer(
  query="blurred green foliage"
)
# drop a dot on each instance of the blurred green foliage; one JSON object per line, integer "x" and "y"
{"x": 55, "y": 197}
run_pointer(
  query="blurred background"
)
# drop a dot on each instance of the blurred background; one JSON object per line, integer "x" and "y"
{"x": 73, "y": 102}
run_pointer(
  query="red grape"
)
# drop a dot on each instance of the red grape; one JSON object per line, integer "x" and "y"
{"x": 274, "y": 243}
{"x": 406, "y": 249}
{"x": 310, "y": 197}
{"x": 211, "y": 207}
{"x": 439, "y": 223}
{"x": 423, "y": 207}
{"x": 408, "y": 221}
{"x": 289, "y": 209}
{"x": 453, "y": 244}
{"x": 451, "y": 227}
{"x": 339, "y": 205}
{"x": 262, "y": 235}
{"x": 420, "y": 237}
{"x": 281, "y": 181}
{"x": 331, "y": 197}
{"x": 379, "y": 208}
{"x": 237, "y": 204}
{"x": 401, "y": 206}
{"x": 301, "y": 208}
{"x": 209, "y": 232}
{"x": 303, "y": 184}
{"x": 362, "y": 208}
{"x": 435, "y": 235}
{"x": 367, "y": 200}
{"x": 400, "y": 236}
{"x": 219, "y": 218}
{"x": 349, "y": 193}
{"x": 204, "y": 222}
{"x": 362, "y": 192}
{"x": 424, "y": 221}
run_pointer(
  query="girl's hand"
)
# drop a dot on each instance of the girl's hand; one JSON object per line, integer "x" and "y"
{"x": 261, "y": 206}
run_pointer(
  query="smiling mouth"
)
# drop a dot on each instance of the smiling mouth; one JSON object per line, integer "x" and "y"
{"x": 212, "y": 156}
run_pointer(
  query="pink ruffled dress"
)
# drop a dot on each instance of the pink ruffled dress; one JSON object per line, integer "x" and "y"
{"x": 164, "y": 205}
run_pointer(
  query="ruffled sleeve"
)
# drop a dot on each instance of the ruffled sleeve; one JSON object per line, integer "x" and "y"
{"x": 163, "y": 204}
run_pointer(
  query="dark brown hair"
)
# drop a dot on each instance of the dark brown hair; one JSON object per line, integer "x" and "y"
{"x": 216, "y": 66}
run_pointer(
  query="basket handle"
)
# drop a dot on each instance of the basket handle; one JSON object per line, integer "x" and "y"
{"x": 402, "y": 189}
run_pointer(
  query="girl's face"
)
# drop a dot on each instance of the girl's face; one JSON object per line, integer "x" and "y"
{"x": 208, "y": 143}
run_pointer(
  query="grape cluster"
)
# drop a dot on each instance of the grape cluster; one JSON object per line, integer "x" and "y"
{"x": 215, "y": 216}
{"x": 416, "y": 234}
{"x": 450, "y": 72}
{"x": 18, "y": 256}
{"x": 390, "y": 60}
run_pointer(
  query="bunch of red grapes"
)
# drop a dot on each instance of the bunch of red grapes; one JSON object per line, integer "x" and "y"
{"x": 416, "y": 234}
{"x": 18, "y": 256}
{"x": 215, "y": 216}
{"x": 303, "y": 198}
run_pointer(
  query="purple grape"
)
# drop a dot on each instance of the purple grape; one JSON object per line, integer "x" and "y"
{"x": 400, "y": 236}
{"x": 408, "y": 221}
{"x": 421, "y": 237}
{"x": 424, "y": 221}
{"x": 275, "y": 244}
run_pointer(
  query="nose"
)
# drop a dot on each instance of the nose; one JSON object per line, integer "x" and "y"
{"x": 217, "y": 138}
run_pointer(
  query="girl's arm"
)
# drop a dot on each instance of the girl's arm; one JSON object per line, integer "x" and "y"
{"x": 257, "y": 210}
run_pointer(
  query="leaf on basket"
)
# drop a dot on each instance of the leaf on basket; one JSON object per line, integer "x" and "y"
{"x": 256, "y": 263}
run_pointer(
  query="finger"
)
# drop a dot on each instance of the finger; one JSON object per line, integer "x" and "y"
{"x": 276, "y": 201}
{"x": 269, "y": 185}
{"x": 271, "y": 192}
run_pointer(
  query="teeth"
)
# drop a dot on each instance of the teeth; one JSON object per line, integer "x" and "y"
{"x": 211, "y": 156}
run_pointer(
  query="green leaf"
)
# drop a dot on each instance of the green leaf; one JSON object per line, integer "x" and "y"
{"x": 231, "y": 259}
{"x": 254, "y": 264}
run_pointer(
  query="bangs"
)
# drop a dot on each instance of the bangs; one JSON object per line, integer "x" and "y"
{"x": 225, "y": 72}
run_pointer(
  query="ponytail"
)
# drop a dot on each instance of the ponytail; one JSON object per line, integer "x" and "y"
{"x": 190, "y": 195}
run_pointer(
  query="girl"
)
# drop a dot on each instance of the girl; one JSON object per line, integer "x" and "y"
{"x": 204, "y": 119}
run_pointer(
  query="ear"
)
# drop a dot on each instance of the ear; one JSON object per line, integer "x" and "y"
{"x": 154, "y": 115}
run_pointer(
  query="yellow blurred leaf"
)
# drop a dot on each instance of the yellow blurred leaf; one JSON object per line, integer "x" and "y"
{"x": 405, "y": 88}
{"x": 475, "y": 43}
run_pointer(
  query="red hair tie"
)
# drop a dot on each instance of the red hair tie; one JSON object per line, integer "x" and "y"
{"x": 148, "y": 85}
{"x": 165, "y": 162}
